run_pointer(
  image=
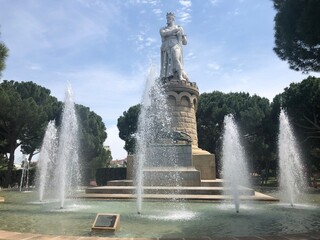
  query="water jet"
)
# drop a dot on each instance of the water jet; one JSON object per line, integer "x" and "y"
{"x": 234, "y": 166}
{"x": 59, "y": 159}
{"x": 292, "y": 174}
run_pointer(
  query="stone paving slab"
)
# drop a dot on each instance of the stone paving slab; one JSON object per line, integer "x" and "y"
{"x": 6, "y": 235}
{"x": 257, "y": 197}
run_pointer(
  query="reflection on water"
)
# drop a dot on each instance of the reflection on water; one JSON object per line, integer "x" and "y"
{"x": 22, "y": 213}
{"x": 171, "y": 215}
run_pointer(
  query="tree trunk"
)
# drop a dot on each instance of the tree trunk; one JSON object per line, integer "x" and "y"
{"x": 8, "y": 179}
{"x": 30, "y": 157}
{"x": 267, "y": 172}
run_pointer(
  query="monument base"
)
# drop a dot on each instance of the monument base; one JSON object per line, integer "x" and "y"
{"x": 204, "y": 162}
{"x": 165, "y": 176}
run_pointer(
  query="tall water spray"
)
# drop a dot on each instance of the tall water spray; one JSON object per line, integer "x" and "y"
{"x": 291, "y": 174}
{"x": 47, "y": 157}
{"x": 68, "y": 172}
{"x": 234, "y": 165}
{"x": 154, "y": 124}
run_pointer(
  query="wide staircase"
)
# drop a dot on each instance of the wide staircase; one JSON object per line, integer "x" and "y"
{"x": 209, "y": 190}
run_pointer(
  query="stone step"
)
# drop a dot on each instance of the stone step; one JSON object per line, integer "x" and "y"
{"x": 212, "y": 183}
{"x": 204, "y": 183}
{"x": 167, "y": 190}
{"x": 120, "y": 183}
{"x": 256, "y": 197}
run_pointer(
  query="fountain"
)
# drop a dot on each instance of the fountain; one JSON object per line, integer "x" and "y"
{"x": 159, "y": 160}
{"x": 234, "y": 165}
{"x": 153, "y": 125}
{"x": 68, "y": 172}
{"x": 168, "y": 163}
{"x": 292, "y": 174}
{"x": 59, "y": 159}
{"x": 167, "y": 130}
{"x": 160, "y": 220}
{"x": 47, "y": 157}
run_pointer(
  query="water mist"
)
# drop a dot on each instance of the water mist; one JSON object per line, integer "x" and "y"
{"x": 234, "y": 165}
{"x": 68, "y": 171}
{"x": 47, "y": 157}
{"x": 154, "y": 124}
{"x": 291, "y": 174}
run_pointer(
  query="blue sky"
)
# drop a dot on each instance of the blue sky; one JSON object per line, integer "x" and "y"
{"x": 104, "y": 49}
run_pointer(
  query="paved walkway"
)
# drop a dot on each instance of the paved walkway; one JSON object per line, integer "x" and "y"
{"x": 29, "y": 236}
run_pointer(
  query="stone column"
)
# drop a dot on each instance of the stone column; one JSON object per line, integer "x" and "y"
{"x": 183, "y": 99}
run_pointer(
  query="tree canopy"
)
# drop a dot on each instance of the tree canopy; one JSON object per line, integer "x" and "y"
{"x": 127, "y": 125}
{"x": 3, "y": 55}
{"x": 250, "y": 113}
{"x": 92, "y": 136}
{"x": 302, "y": 103}
{"x": 297, "y": 33}
{"x": 25, "y": 111}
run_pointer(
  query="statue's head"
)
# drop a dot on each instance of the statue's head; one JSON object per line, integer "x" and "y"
{"x": 170, "y": 18}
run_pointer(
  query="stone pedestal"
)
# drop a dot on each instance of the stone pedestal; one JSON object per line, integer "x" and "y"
{"x": 169, "y": 155}
{"x": 168, "y": 176}
{"x": 183, "y": 100}
{"x": 192, "y": 163}
{"x": 204, "y": 162}
{"x": 158, "y": 171}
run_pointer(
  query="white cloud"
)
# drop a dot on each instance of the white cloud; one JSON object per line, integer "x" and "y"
{"x": 234, "y": 12}
{"x": 63, "y": 26}
{"x": 34, "y": 66}
{"x": 144, "y": 42}
{"x": 157, "y": 11}
{"x": 214, "y": 2}
{"x": 213, "y": 66}
{"x": 184, "y": 12}
{"x": 258, "y": 80}
{"x": 185, "y": 3}
{"x": 184, "y": 17}
{"x": 101, "y": 84}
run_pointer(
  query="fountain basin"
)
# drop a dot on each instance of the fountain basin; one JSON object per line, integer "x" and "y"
{"x": 169, "y": 190}
{"x": 21, "y": 213}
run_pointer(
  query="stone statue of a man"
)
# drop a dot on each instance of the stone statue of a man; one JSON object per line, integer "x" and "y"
{"x": 173, "y": 38}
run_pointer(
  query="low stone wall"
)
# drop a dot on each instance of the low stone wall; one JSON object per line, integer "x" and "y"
{"x": 103, "y": 175}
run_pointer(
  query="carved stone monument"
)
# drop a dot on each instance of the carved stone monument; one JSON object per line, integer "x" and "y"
{"x": 182, "y": 96}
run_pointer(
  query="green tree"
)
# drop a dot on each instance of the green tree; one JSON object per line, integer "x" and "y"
{"x": 302, "y": 103}
{"x": 127, "y": 125}
{"x": 250, "y": 112}
{"x": 92, "y": 136}
{"x": 25, "y": 108}
{"x": 3, "y": 56}
{"x": 3, "y": 152}
{"x": 297, "y": 33}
